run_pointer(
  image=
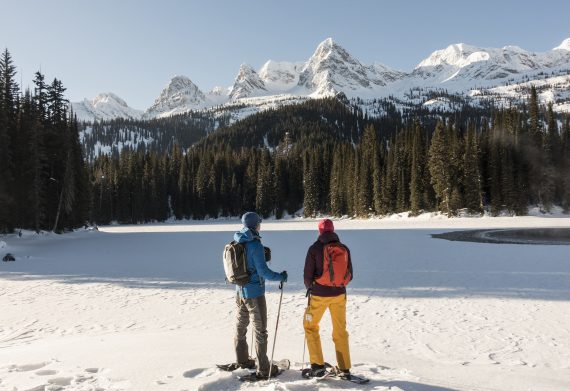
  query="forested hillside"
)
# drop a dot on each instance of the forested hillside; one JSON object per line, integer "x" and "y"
{"x": 322, "y": 156}
{"x": 327, "y": 157}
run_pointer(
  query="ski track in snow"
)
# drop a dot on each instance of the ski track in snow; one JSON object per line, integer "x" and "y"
{"x": 119, "y": 317}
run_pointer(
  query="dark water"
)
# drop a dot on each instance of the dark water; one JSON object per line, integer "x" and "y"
{"x": 542, "y": 236}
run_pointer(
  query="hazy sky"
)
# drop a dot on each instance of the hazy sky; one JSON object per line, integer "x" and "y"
{"x": 133, "y": 48}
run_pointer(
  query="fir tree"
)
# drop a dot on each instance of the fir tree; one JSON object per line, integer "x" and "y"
{"x": 8, "y": 108}
{"x": 439, "y": 167}
{"x": 471, "y": 174}
{"x": 310, "y": 199}
{"x": 265, "y": 197}
{"x": 416, "y": 173}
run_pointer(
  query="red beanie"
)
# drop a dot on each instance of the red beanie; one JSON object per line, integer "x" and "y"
{"x": 325, "y": 225}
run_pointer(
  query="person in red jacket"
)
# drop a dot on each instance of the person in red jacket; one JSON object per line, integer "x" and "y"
{"x": 326, "y": 282}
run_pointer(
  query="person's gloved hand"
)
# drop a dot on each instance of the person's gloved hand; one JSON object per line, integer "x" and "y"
{"x": 284, "y": 276}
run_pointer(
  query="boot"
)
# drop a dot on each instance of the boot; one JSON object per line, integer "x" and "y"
{"x": 317, "y": 370}
{"x": 265, "y": 374}
{"x": 344, "y": 373}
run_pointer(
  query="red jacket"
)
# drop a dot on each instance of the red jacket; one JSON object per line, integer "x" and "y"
{"x": 314, "y": 267}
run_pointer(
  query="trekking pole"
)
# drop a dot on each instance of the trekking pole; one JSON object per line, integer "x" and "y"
{"x": 304, "y": 346}
{"x": 276, "y": 326}
{"x": 251, "y": 346}
{"x": 308, "y": 295}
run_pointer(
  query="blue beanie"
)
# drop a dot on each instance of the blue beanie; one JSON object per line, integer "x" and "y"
{"x": 250, "y": 220}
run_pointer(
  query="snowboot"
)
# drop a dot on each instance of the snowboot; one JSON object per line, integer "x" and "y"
{"x": 344, "y": 374}
{"x": 249, "y": 364}
{"x": 316, "y": 371}
{"x": 265, "y": 375}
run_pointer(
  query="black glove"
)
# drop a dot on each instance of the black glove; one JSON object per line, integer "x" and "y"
{"x": 283, "y": 276}
{"x": 267, "y": 252}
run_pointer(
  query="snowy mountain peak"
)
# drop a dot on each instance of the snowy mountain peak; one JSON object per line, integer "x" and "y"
{"x": 181, "y": 84}
{"x": 331, "y": 69}
{"x": 247, "y": 83}
{"x": 565, "y": 45}
{"x": 329, "y": 48}
{"x": 470, "y": 63}
{"x": 458, "y": 54}
{"x": 179, "y": 96}
{"x": 105, "y": 106}
{"x": 108, "y": 98}
{"x": 280, "y": 75}
{"x": 218, "y": 91}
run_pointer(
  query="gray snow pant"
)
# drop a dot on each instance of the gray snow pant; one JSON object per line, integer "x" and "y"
{"x": 256, "y": 309}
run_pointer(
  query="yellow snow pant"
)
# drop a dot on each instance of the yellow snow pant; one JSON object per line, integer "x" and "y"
{"x": 313, "y": 315}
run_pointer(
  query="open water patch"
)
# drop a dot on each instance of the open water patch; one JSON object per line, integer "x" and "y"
{"x": 541, "y": 236}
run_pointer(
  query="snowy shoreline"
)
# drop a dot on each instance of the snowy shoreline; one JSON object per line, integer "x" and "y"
{"x": 146, "y": 308}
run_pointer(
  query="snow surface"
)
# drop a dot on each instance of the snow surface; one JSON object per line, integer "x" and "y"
{"x": 145, "y": 308}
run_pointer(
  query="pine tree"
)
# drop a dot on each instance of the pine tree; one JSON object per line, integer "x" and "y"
{"x": 337, "y": 200}
{"x": 8, "y": 117}
{"x": 471, "y": 174}
{"x": 182, "y": 204}
{"x": 548, "y": 171}
{"x": 310, "y": 199}
{"x": 212, "y": 193}
{"x": 388, "y": 194}
{"x": 565, "y": 146}
{"x": 280, "y": 183}
{"x": 201, "y": 190}
{"x": 250, "y": 182}
{"x": 533, "y": 149}
{"x": 416, "y": 174}
{"x": 439, "y": 167}
{"x": 494, "y": 171}
{"x": 369, "y": 172}
{"x": 265, "y": 198}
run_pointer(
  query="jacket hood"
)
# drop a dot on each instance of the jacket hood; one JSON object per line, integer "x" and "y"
{"x": 246, "y": 235}
{"x": 327, "y": 237}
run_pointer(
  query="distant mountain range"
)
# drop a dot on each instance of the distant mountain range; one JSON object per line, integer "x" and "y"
{"x": 473, "y": 74}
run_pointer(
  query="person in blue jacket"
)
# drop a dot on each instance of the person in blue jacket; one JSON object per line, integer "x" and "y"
{"x": 250, "y": 298}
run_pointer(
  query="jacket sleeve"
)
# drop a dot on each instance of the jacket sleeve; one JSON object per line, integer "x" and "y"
{"x": 260, "y": 264}
{"x": 310, "y": 266}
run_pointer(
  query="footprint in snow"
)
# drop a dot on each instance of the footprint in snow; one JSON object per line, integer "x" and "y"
{"x": 27, "y": 367}
{"x": 46, "y": 372}
{"x": 61, "y": 381}
{"x": 43, "y": 387}
{"x": 199, "y": 373}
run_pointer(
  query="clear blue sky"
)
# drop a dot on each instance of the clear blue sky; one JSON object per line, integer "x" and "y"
{"x": 133, "y": 48}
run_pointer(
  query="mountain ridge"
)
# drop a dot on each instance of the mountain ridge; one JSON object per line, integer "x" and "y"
{"x": 459, "y": 68}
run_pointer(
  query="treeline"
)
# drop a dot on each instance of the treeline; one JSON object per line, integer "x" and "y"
{"x": 158, "y": 134}
{"x": 43, "y": 178}
{"x": 322, "y": 157}
{"x": 344, "y": 164}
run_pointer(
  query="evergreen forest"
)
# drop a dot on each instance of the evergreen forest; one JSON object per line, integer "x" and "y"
{"x": 320, "y": 157}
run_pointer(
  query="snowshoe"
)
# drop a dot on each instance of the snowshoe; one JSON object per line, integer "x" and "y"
{"x": 317, "y": 371}
{"x": 278, "y": 368}
{"x": 347, "y": 376}
{"x": 250, "y": 364}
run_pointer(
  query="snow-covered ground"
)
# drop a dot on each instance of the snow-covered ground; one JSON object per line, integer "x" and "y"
{"x": 146, "y": 308}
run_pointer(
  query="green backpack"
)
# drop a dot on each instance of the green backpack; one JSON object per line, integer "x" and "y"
{"x": 235, "y": 263}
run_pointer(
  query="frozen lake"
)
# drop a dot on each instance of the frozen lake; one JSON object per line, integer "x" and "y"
{"x": 146, "y": 307}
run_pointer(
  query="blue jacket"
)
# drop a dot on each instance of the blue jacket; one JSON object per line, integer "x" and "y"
{"x": 256, "y": 265}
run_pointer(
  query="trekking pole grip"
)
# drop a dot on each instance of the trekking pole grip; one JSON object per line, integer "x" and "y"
{"x": 281, "y": 285}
